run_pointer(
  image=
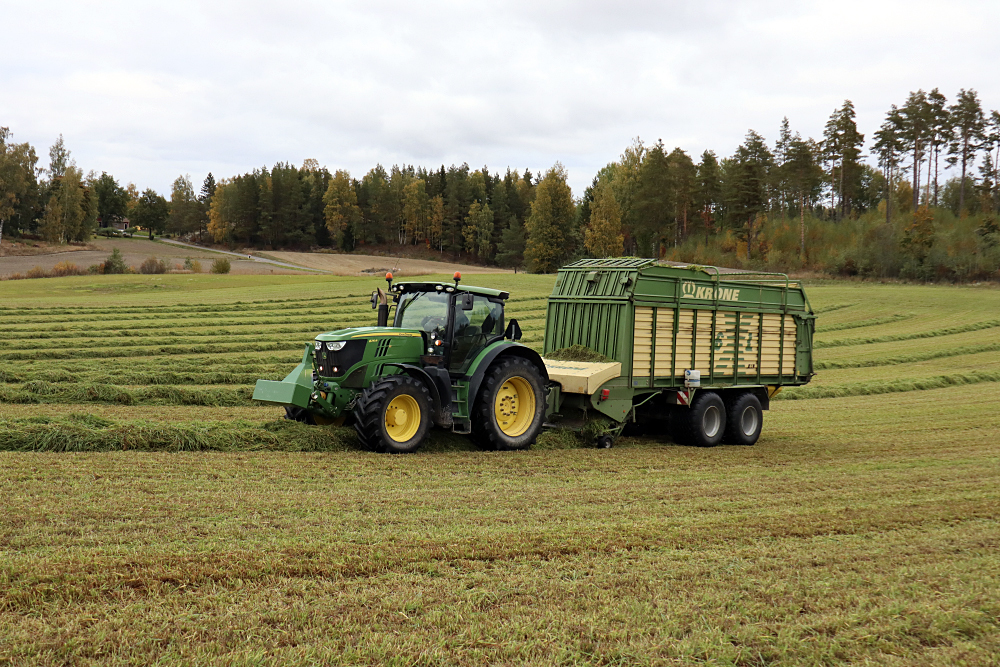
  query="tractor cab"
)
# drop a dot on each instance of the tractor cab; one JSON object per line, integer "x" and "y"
{"x": 457, "y": 322}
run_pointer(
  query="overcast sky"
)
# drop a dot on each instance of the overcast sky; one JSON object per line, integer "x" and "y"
{"x": 150, "y": 90}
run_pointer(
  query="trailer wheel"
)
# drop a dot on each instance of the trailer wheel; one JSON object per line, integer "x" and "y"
{"x": 706, "y": 420}
{"x": 744, "y": 420}
{"x": 510, "y": 408}
{"x": 392, "y": 415}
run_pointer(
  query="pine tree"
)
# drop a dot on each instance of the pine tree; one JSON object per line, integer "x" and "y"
{"x": 510, "y": 252}
{"x": 916, "y": 120}
{"x": 842, "y": 146}
{"x": 749, "y": 173}
{"x": 708, "y": 191}
{"x": 683, "y": 177}
{"x": 654, "y": 202}
{"x": 889, "y": 146}
{"x": 969, "y": 123}
{"x": 603, "y": 236}
{"x": 804, "y": 177}
{"x": 940, "y": 133}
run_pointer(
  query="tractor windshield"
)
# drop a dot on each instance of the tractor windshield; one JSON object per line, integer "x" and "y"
{"x": 427, "y": 311}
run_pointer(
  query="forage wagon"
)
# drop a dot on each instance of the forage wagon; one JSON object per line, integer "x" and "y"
{"x": 693, "y": 351}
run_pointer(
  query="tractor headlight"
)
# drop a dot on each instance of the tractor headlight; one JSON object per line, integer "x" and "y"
{"x": 335, "y": 345}
{"x": 319, "y": 345}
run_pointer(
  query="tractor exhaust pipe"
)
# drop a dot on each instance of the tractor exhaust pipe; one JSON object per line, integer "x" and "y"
{"x": 383, "y": 303}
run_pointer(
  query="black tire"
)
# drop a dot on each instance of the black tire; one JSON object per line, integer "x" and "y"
{"x": 705, "y": 422}
{"x": 505, "y": 390}
{"x": 377, "y": 430}
{"x": 744, "y": 419}
{"x": 298, "y": 414}
{"x": 605, "y": 442}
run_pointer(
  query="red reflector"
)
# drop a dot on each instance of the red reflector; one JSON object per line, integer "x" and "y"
{"x": 605, "y": 393}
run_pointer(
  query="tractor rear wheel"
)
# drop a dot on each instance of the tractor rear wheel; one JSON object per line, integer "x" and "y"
{"x": 706, "y": 421}
{"x": 510, "y": 408}
{"x": 393, "y": 414}
{"x": 744, "y": 420}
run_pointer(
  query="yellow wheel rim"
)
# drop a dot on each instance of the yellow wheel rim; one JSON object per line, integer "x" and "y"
{"x": 514, "y": 406}
{"x": 402, "y": 418}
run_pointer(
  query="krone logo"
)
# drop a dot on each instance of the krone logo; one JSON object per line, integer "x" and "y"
{"x": 687, "y": 290}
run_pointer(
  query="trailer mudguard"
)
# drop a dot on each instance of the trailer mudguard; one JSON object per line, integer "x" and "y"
{"x": 295, "y": 389}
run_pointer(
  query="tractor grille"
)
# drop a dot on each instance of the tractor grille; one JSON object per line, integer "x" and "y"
{"x": 341, "y": 360}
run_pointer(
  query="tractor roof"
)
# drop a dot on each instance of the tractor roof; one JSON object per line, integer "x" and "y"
{"x": 400, "y": 288}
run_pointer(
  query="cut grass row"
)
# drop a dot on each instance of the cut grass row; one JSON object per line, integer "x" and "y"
{"x": 157, "y": 413}
{"x": 134, "y": 377}
{"x": 934, "y": 333}
{"x": 40, "y": 391}
{"x": 874, "y": 387}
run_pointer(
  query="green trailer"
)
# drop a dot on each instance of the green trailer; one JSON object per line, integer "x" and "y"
{"x": 696, "y": 352}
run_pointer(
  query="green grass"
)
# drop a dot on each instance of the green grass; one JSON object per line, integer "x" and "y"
{"x": 153, "y": 515}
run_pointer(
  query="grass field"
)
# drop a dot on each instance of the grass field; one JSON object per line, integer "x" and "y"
{"x": 863, "y": 528}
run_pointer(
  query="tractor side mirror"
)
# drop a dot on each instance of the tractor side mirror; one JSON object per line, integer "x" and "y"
{"x": 513, "y": 331}
{"x": 467, "y": 302}
{"x": 374, "y": 299}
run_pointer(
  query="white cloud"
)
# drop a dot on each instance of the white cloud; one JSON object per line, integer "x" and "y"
{"x": 146, "y": 91}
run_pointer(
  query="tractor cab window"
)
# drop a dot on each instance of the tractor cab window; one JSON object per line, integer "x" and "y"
{"x": 473, "y": 328}
{"x": 427, "y": 311}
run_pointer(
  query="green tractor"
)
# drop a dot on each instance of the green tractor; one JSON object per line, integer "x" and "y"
{"x": 448, "y": 360}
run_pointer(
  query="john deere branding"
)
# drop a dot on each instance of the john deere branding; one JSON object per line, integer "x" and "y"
{"x": 691, "y": 291}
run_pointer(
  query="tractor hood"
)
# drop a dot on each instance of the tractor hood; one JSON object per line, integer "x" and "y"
{"x": 356, "y": 333}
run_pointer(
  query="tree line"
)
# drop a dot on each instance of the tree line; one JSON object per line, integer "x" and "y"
{"x": 651, "y": 201}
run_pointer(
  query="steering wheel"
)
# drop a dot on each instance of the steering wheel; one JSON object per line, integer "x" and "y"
{"x": 432, "y": 323}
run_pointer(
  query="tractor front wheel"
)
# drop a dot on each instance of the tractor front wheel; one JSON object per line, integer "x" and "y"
{"x": 298, "y": 414}
{"x": 510, "y": 408}
{"x": 393, "y": 414}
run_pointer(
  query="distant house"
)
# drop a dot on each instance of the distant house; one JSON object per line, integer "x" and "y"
{"x": 121, "y": 224}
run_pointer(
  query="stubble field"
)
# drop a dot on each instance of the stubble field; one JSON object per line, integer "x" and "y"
{"x": 152, "y": 513}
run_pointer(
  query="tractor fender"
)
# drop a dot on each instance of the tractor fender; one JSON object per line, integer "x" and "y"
{"x": 421, "y": 374}
{"x": 477, "y": 371}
